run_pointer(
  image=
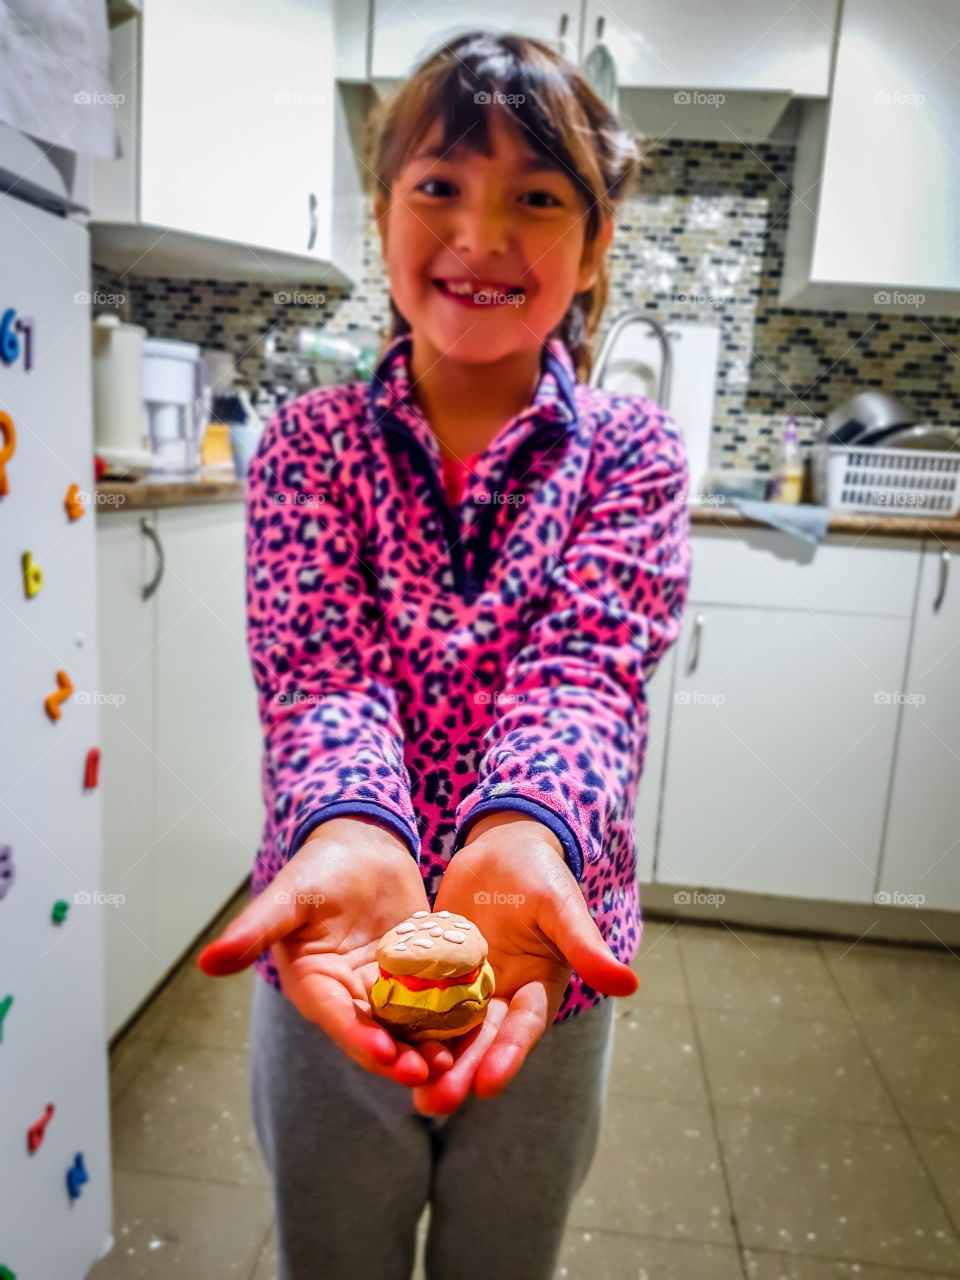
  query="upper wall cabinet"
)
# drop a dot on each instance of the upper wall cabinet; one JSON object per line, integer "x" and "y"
{"x": 404, "y": 33}
{"x": 875, "y": 220}
{"x": 770, "y": 45}
{"x": 233, "y": 133}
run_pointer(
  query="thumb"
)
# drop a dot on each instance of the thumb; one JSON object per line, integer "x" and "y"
{"x": 576, "y": 935}
{"x": 274, "y": 913}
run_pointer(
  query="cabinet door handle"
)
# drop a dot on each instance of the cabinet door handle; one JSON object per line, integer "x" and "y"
{"x": 694, "y": 655}
{"x": 151, "y": 533}
{"x": 944, "y": 572}
{"x": 564, "y": 23}
{"x": 312, "y": 207}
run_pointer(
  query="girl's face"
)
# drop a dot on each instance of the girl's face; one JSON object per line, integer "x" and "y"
{"x": 484, "y": 254}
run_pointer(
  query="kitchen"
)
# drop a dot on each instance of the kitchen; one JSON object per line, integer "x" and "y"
{"x": 785, "y": 280}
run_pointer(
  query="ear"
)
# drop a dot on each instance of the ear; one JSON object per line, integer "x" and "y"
{"x": 593, "y": 255}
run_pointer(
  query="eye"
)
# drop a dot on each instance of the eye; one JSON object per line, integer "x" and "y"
{"x": 538, "y": 196}
{"x": 440, "y": 182}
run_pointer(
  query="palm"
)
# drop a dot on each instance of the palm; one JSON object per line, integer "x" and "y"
{"x": 322, "y": 918}
{"x": 519, "y": 892}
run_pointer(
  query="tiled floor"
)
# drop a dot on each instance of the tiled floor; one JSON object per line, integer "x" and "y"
{"x": 779, "y": 1109}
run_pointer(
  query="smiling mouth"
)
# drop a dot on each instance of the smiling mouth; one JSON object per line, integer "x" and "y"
{"x": 479, "y": 293}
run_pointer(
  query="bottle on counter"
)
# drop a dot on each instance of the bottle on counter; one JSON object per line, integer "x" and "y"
{"x": 786, "y": 482}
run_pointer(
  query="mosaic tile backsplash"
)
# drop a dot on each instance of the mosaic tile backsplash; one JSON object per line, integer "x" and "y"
{"x": 701, "y": 237}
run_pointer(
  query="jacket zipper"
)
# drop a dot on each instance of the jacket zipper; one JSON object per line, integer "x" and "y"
{"x": 467, "y": 585}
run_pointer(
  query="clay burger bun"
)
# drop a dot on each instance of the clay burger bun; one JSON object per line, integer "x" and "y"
{"x": 435, "y": 981}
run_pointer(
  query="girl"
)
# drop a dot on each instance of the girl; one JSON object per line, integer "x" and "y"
{"x": 461, "y": 577}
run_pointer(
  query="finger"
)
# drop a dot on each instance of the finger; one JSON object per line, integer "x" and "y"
{"x": 274, "y": 913}
{"x": 445, "y": 1094}
{"x": 436, "y": 1055}
{"x": 574, "y": 931}
{"x": 529, "y": 1015}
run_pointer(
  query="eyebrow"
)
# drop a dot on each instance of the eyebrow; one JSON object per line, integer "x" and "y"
{"x": 534, "y": 163}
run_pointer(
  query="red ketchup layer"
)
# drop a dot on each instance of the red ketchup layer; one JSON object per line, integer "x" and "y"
{"x": 422, "y": 984}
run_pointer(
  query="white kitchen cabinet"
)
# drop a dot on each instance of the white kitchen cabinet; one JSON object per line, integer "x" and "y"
{"x": 780, "y": 741}
{"x": 180, "y": 774}
{"x": 209, "y": 744}
{"x": 779, "y": 753}
{"x": 877, "y": 218}
{"x": 404, "y": 33}
{"x": 921, "y": 851}
{"x": 128, "y": 727}
{"x": 753, "y": 45}
{"x": 233, "y": 130}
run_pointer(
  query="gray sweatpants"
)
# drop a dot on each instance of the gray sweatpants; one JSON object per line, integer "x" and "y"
{"x": 353, "y": 1163}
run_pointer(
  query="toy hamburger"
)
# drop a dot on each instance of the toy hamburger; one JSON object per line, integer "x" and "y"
{"x": 435, "y": 981}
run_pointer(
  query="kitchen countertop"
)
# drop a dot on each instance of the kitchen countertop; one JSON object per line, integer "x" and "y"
{"x": 132, "y": 496}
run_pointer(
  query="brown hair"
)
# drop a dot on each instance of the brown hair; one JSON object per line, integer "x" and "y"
{"x": 561, "y": 116}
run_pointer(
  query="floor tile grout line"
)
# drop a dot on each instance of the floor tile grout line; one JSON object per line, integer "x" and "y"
{"x": 728, "y": 1187}
{"x": 911, "y": 1270}
{"x": 264, "y": 1187}
{"x": 897, "y": 1108}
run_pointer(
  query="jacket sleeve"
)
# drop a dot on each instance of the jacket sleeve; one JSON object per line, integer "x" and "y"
{"x": 333, "y": 745}
{"x": 569, "y": 741}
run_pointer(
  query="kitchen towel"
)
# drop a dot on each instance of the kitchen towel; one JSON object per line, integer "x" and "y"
{"x": 802, "y": 519}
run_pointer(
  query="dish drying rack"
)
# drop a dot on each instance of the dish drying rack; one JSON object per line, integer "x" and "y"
{"x": 887, "y": 481}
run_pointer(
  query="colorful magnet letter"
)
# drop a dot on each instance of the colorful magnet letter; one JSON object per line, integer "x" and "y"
{"x": 6, "y": 870}
{"x": 59, "y": 912}
{"x": 9, "y": 437}
{"x": 53, "y": 700}
{"x": 6, "y": 1273}
{"x": 36, "y": 1131}
{"x": 25, "y": 325}
{"x": 76, "y": 1176}
{"x": 32, "y": 575}
{"x": 5, "y": 1004}
{"x": 91, "y": 775}
{"x": 74, "y": 506}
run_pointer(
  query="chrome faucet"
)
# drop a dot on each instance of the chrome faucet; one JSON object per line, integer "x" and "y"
{"x": 603, "y": 358}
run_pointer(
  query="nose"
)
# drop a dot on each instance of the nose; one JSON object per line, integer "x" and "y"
{"x": 480, "y": 229}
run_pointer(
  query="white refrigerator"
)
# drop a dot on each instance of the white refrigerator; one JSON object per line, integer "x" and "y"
{"x": 55, "y": 1186}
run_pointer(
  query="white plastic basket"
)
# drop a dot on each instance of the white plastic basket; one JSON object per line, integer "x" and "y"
{"x": 901, "y": 482}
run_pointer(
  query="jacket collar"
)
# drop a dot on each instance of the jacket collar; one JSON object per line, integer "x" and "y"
{"x": 392, "y": 402}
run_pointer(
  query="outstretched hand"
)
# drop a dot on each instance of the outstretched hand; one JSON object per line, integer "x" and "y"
{"x": 511, "y": 880}
{"x": 322, "y": 916}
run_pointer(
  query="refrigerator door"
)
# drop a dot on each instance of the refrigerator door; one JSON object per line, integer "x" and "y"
{"x": 53, "y": 1048}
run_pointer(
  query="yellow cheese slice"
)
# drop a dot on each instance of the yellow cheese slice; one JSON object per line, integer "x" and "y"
{"x": 436, "y": 999}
